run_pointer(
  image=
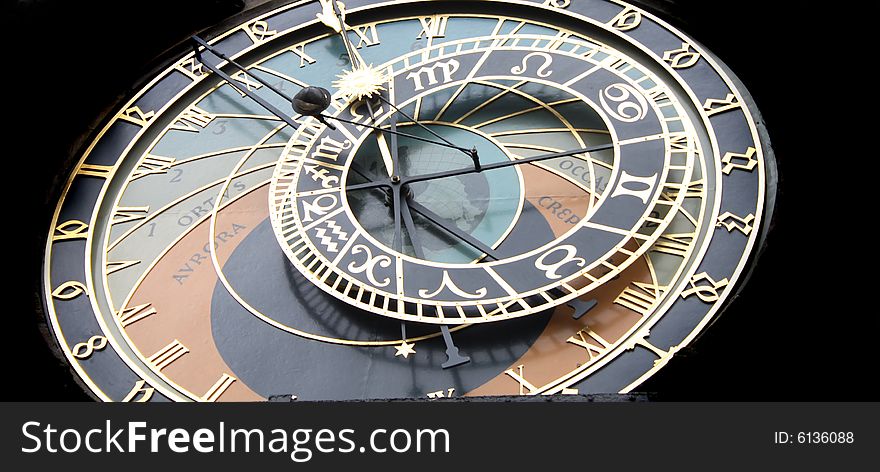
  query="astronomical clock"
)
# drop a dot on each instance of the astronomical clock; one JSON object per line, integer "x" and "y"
{"x": 409, "y": 199}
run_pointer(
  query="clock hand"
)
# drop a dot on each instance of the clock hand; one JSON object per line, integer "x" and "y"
{"x": 308, "y": 93}
{"x": 406, "y": 211}
{"x": 472, "y": 153}
{"x": 333, "y": 16}
{"x": 263, "y": 103}
{"x": 389, "y": 155}
{"x": 415, "y": 206}
{"x": 453, "y": 356}
{"x": 439, "y": 221}
{"x": 501, "y": 165}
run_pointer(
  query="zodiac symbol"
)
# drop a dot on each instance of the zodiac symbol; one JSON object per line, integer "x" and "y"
{"x": 321, "y": 233}
{"x": 369, "y": 265}
{"x": 626, "y": 179}
{"x": 627, "y": 111}
{"x": 542, "y": 71}
{"x": 327, "y": 180}
{"x": 316, "y": 207}
{"x": 448, "y": 283}
{"x": 449, "y": 67}
{"x": 550, "y": 269}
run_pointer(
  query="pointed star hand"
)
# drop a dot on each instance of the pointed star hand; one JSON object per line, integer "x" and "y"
{"x": 405, "y": 350}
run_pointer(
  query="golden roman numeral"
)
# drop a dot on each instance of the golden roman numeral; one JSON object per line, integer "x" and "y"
{"x": 245, "y": 79}
{"x": 95, "y": 170}
{"x": 193, "y": 119}
{"x": 640, "y": 297}
{"x": 219, "y": 388}
{"x": 300, "y": 50}
{"x": 113, "y": 267}
{"x": 152, "y": 165}
{"x": 674, "y": 244}
{"x": 525, "y": 387}
{"x": 598, "y": 347}
{"x": 135, "y": 313}
{"x": 168, "y": 354}
{"x": 127, "y": 214}
{"x": 433, "y": 26}
{"x": 367, "y": 35}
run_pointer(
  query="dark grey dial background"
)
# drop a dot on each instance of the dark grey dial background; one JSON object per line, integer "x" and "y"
{"x": 274, "y": 362}
{"x": 755, "y": 38}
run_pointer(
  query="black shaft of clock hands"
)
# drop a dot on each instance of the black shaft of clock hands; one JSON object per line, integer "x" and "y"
{"x": 501, "y": 165}
{"x": 344, "y": 33}
{"x": 238, "y": 66}
{"x": 350, "y": 50}
{"x": 273, "y": 109}
{"x": 397, "y": 133}
{"x": 409, "y": 204}
{"x": 472, "y": 153}
{"x": 223, "y": 75}
{"x": 487, "y": 167}
{"x": 406, "y": 212}
{"x": 438, "y": 220}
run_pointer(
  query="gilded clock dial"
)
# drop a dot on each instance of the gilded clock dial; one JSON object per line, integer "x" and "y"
{"x": 497, "y": 198}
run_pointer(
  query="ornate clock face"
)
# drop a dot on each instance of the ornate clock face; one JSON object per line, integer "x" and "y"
{"x": 409, "y": 199}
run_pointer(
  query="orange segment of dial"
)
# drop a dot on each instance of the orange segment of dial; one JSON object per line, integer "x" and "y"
{"x": 553, "y": 354}
{"x": 180, "y": 288}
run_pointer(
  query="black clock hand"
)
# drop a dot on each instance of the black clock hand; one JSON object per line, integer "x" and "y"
{"x": 453, "y": 355}
{"x": 273, "y": 109}
{"x": 472, "y": 153}
{"x": 407, "y": 205}
{"x": 501, "y": 165}
{"x": 223, "y": 75}
{"x": 331, "y": 8}
{"x": 439, "y": 221}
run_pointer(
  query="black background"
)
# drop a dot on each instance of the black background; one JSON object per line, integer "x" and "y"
{"x": 803, "y": 328}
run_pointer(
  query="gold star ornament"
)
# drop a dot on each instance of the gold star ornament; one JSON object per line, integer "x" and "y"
{"x": 405, "y": 350}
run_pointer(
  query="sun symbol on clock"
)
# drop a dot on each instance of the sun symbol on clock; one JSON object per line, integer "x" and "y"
{"x": 361, "y": 82}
